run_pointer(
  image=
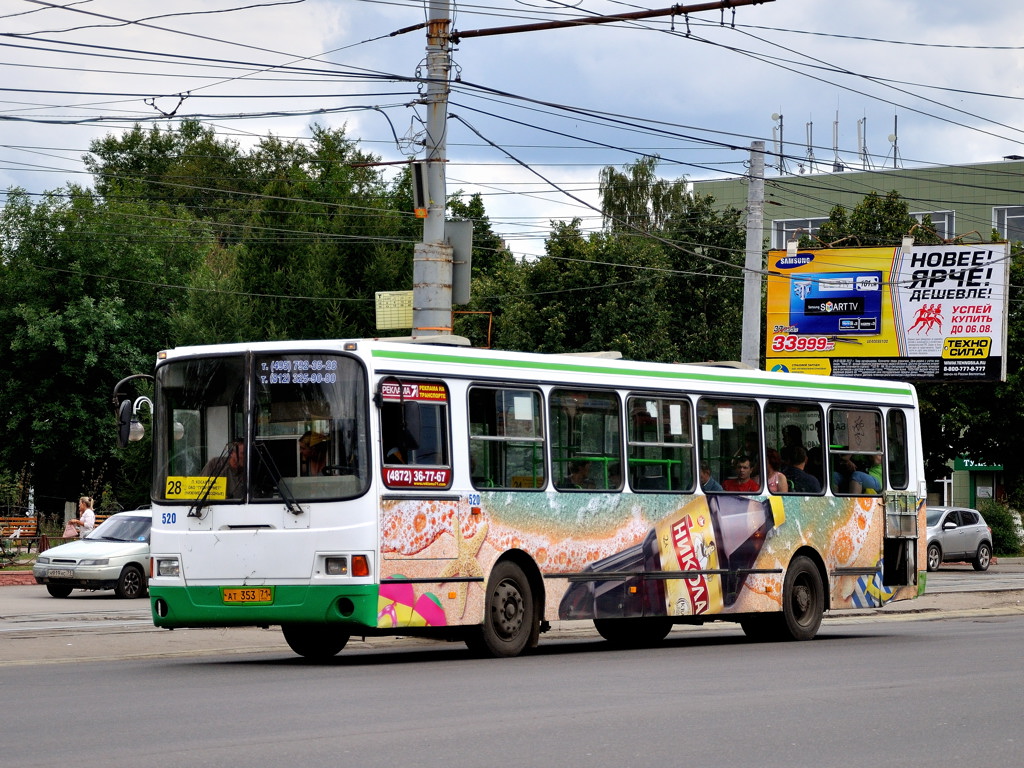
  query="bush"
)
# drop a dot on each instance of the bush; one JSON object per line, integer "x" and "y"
{"x": 1005, "y": 538}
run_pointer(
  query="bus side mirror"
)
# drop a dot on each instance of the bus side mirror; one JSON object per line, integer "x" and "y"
{"x": 124, "y": 422}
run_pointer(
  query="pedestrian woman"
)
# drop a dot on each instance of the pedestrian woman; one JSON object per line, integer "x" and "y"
{"x": 86, "y": 519}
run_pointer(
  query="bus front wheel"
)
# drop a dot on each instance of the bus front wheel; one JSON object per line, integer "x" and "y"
{"x": 510, "y": 620}
{"x": 314, "y": 641}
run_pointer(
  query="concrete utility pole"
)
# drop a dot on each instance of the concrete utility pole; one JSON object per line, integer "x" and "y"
{"x": 750, "y": 352}
{"x": 432, "y": 259}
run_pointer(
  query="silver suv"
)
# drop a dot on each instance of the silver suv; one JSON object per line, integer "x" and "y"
{"x": 958, "y": 534}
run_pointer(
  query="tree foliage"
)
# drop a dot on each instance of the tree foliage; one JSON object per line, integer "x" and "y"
{"x": 649, "y": 286}
{"x": 90, "y": 294}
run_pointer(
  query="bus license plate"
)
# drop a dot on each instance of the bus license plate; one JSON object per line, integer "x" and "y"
{"x": 59, "y": 573}
{"x": 248, "y": 595}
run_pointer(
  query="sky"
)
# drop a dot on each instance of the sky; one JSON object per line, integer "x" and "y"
{"x": 533, "y": 115}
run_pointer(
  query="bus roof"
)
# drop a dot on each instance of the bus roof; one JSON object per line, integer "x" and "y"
{"x": 418, "y": 358}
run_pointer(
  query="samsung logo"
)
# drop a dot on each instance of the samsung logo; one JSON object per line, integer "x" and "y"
{"x": 792, "y": 262}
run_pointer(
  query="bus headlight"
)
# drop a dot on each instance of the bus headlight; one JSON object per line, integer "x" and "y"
{"x": 168, "y": 567}
{"x": 336, "y": 566}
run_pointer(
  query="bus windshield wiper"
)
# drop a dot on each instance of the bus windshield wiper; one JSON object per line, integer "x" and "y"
{"x": 267, "y": 460}
{"x": 195, "y": 508}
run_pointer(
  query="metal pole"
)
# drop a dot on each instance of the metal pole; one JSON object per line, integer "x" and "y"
{"x": 751, "y": 349}
{"x": 432, "y": 259}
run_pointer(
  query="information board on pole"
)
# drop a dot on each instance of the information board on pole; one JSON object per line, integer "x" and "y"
{"x": 922, "y": 313}
{"x": 394, "y": 309}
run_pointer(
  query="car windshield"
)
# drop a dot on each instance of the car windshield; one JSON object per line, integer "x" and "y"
{"x": 934, "y": 515}
{"x": 123, "y": 528}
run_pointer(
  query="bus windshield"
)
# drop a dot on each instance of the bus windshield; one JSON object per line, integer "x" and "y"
{"x": 307, "y": 439}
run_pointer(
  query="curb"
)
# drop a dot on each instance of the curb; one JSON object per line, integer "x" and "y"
{"x": 16, "y": 578}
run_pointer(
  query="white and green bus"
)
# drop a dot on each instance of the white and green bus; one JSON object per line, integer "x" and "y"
{"x": 374, "y": 487}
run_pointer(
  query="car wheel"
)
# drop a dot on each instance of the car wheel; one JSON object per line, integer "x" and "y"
{"x": 58, "y": 590}
{"x": 934, "y": 557}
{"x": 983, "y": 558}
{"x": 131, "y": 583}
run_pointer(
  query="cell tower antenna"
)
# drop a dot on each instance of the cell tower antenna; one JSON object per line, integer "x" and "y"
{"x": 779, "y": 141}
{"x": 810, "y": 146}
{"x": 862, "y": 143}
{"x": 837, "y": 164}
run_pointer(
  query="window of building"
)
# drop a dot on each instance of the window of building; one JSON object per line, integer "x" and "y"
{"x": 586, "y": 439}
{"x": 784, "y": 230}
{"x": 943, "y": 221}
{"x": 1009, "y": 222}
{"x": 506, "y": 438}
{"x": 660, "y": 444}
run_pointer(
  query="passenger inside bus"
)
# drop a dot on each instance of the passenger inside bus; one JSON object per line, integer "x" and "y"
{"x": 743, "y": 482}
{"x": 794, "y": 459}
{"x": 230, "y": 464}
{"x": 708, "y": 483}
{"x": 578, "y": 477}
{"x": 313, "y": 449}
{"x": 774, "y": 477}
{"x": 846, "y": 478}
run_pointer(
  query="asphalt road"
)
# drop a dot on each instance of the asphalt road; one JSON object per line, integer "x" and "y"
{"x": 87, "y": 683}
{"x": 91, "y": 626}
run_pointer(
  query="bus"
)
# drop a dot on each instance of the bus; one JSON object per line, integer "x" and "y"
{"x": 424, "y": 488}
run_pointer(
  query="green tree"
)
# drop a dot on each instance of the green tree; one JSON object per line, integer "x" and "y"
{"x": 875, "y": 220}
{"x": 703, "y": 250}
{"x": 661, "y": 282}
{"x": 90, "y": 285}
{"x": 587, "y": 294}
{"x": 636, "y": 200}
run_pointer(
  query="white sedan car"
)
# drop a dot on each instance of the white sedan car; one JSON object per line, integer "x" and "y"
{"x": 114, "y": 556}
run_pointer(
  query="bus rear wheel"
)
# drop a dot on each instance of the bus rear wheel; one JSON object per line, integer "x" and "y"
{"x": 803, "y": 600}
{"x": 510, "y": 617}
{"x": 634, "y": 633}
{"x": 314, "y": 641}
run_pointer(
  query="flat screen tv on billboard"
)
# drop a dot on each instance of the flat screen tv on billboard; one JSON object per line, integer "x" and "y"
{"x": 923, "y": 313}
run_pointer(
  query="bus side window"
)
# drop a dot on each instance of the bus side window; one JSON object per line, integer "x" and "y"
{"x": 794, "y": 430}
{"x": 506, "y": 438}
{"x": 730, "y": 436}
{"x": 854, "y": 434}
{"x": 414, "y": 427}
{"x": 660, "y": 443}
{"x": 896, "y": 449}
{"x": 586, "y": 451}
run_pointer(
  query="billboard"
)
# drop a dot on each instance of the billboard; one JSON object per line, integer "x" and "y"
{"x": 923, "y": 313}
